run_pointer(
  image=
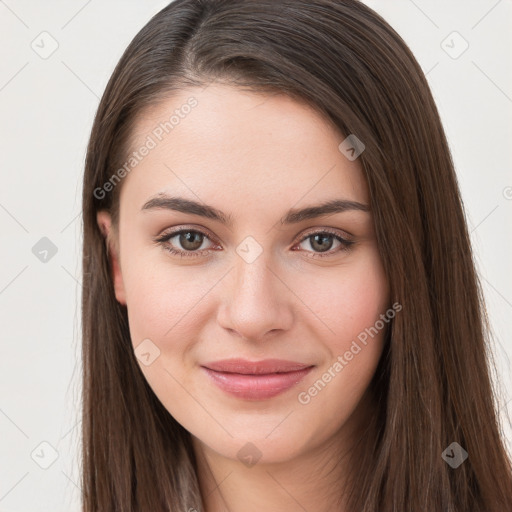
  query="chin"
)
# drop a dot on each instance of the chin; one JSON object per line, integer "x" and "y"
{"x": 253, "y": 447}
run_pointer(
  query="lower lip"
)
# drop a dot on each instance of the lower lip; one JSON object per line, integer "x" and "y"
{"x": 256, "y": 387}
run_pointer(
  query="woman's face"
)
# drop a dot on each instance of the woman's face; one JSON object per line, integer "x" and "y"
{"x": 253, "y": 279}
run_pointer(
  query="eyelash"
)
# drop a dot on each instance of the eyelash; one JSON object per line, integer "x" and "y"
{"x": 162, "y": 240}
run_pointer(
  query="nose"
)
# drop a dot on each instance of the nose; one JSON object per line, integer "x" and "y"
{"x": 257, "y": 300}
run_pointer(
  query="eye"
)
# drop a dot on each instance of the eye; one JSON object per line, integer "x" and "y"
{"x": 322, "y": 241}
{"x": 191, "y": 241}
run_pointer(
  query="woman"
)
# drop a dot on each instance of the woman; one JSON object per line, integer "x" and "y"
{"x": 280, "y": 306}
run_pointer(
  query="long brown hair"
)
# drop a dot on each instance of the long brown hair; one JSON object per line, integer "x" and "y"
{"x": 433, "y": 384}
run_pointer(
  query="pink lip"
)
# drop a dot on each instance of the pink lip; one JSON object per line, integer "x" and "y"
{"x": 256, "y": 380}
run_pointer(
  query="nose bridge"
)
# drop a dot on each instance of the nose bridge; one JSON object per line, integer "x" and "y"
{"x": 252, "y": 271}
{"x": 257, "y": 300}
{"x": 254, "y": 280}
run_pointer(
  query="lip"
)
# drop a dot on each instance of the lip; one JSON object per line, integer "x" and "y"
{"x": 256, "y": 380}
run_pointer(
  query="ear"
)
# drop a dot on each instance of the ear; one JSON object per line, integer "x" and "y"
{"x": 105, "y": 224}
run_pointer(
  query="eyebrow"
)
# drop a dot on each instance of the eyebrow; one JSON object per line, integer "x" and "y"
{"x": 293, "y": 216}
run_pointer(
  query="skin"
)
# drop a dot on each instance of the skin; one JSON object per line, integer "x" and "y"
{"x": 254, "y": 157}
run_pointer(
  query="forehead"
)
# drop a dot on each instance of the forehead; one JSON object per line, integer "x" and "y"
{"x": 238, "y": 145}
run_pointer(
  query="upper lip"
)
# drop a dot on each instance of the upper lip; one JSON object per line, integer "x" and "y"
{"x": 246, "y": 367}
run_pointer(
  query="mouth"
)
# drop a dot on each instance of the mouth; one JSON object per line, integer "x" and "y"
{"x": 256, "y": 380}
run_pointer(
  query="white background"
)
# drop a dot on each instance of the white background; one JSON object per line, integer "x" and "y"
{"x": 47, "y": 107}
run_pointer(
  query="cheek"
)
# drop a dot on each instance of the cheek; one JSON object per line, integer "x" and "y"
{"x": 351, "y": 305}
{"x": 349, "y": 299}
{"x": 165, "y": 302}
{"x": 164, "y": 307}
{"x": 149, "y": 302}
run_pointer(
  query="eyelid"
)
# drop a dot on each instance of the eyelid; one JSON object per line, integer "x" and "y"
{"x": 348, "y": 237}
{"x": 186, "y": 227}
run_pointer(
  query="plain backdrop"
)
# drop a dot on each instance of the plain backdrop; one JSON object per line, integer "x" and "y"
{"x": 56, "y": 59}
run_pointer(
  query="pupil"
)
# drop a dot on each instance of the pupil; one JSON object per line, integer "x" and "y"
{"x": 187, "y": 240}
{"x": 323, "y": 239}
